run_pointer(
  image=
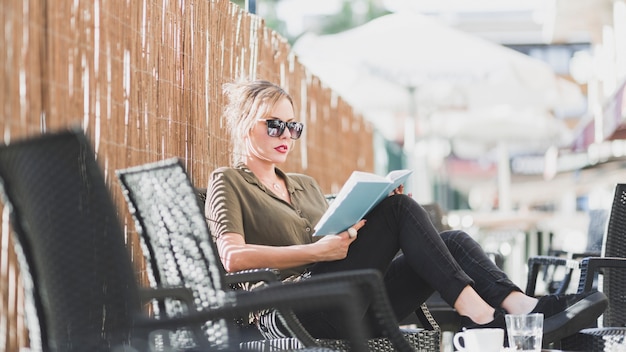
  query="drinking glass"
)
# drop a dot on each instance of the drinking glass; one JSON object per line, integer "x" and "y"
{"x": 525, "y": 331}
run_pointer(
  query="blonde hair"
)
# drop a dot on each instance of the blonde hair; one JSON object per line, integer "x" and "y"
{"x": 248, "y": 101}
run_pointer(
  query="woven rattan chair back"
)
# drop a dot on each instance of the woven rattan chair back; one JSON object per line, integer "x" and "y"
{"x": 81, "y": 293}
{"x": 175, "y": 242}
{"x": 608, "y": 272}
{"x": 614, "y": 279}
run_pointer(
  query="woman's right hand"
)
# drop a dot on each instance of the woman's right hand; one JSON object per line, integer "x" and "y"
{"x": 335, "y": 247}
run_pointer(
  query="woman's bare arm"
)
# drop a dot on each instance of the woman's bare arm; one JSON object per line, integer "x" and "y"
{"x": 237, "y": 255}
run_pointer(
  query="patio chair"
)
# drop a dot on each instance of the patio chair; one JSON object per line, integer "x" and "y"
{"x": 605, "y": 272}
{"x": 558, "y": 266}
{"x": 169, "y": 217}
{"x": 81, "y": 293}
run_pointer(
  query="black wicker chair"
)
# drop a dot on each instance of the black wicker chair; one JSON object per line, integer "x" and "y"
{"x": 168, "y": 214}
{"x": 80, "y": 288}
{"x": 608, "y": 275}
{"x": 556, "y": 269}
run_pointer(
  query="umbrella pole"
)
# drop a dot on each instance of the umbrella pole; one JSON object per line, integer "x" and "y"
{"x": 420, "y": 183}
{"x": 504, "y": 178}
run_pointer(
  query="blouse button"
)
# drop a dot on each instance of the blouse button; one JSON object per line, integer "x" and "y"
{"x": 308, "y": 229}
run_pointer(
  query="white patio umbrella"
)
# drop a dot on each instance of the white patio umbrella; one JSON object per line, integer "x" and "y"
{"x": 399, "y": 63}
{"x": 373, "y": 67}
{"x": 525, "y": 130}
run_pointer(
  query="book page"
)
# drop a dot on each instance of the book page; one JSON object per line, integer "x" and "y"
{"x": 398, "y": 177}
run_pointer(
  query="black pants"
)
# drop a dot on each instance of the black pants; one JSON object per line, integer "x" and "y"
{"x": 446, "y": 262}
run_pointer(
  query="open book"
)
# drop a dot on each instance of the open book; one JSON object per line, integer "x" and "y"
{"x": 361, "y": 192}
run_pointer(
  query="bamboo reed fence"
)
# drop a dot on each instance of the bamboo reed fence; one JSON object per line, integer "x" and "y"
{"x": 143, "y": 79}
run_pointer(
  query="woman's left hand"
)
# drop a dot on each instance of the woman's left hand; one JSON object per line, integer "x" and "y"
{"x": 400, "y": 190}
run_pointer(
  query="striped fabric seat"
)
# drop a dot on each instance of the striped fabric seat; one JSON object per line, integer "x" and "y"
{"x": 421, "y": 339}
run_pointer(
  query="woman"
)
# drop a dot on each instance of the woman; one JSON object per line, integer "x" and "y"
{"x": 262, "y": 217}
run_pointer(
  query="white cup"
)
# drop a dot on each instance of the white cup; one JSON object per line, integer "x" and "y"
{"x": 479, "y": 340}
{"x": 525, "y": 331}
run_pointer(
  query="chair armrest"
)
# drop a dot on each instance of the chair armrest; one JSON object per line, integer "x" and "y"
{"x": 180, "y": 293}
{"x": 592, "y": 265}
{"x": 535, "y": 263}
{"x": 341, "y": 296}
{"x": 369, "y": 284}
{"x": 287, "y": 316}
{"x": 586, "y": 254}
{"x": 159, "y": 294}
{"x": 266, "y": 275}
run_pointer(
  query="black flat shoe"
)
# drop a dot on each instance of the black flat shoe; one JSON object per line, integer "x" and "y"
{"x": 566, "y": 315}
{"x": 497, "y": 322}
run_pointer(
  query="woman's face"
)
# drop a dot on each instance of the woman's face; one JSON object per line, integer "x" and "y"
{"x": 272, "y": 149}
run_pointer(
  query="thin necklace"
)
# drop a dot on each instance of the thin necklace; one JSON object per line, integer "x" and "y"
{"x": 277, "y": 187}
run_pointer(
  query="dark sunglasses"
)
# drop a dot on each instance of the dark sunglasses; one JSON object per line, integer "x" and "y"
{"x": 276, "y": 127}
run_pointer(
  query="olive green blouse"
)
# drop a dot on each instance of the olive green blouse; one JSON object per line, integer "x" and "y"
{"x": 238, "y": 202}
